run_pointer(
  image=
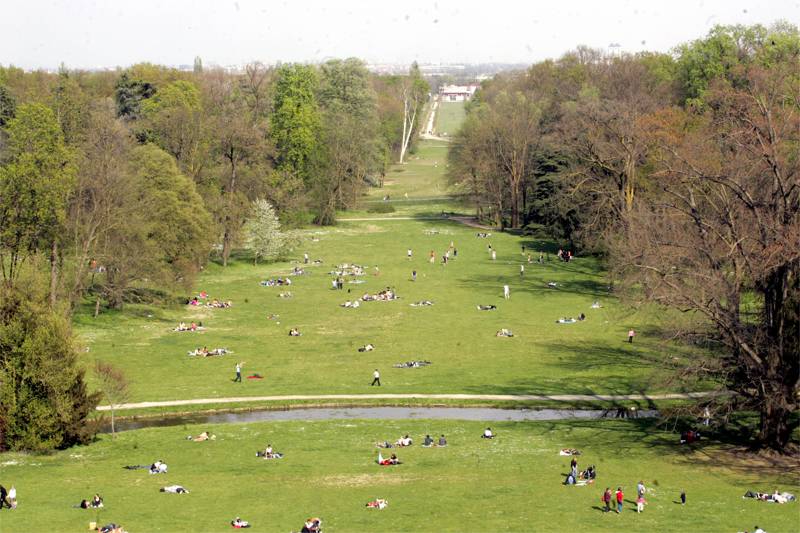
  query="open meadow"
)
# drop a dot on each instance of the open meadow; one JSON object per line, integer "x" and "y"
{"x": 329, "y": 470}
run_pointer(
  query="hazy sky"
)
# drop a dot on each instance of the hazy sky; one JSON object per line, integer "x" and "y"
{"x": 87, "y": 34}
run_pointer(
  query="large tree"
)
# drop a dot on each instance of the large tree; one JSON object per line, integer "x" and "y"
{"x": 35, "y": 184}
{"x": 295, "y": 118}
{"x": 722, "y": 239}
{"x": 44, "y": 403}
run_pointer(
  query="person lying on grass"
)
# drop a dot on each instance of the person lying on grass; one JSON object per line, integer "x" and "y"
{"x": 202, "y": 437}
{"x": 355, "y": 304}
{"x": 775, "y": 497}
{"x": 294, "y": 332}
{"x": 191, "y": 327}
{"x": 504, "y": 333}
{"x": 174, "y": 489}
{"x": 391, "y": 461}
{"x": 217, "y": 304}
{"x": 422, "y": 303}
{"x": 565, "y": 320}
{"x": 238, "y": 523}
{"x": 412, "y": 364}
{"x": 286, "y": 294}
{"x": 569, "y": 451}
{"x": 277, "y": 282}
{"x": 367, "y": 348}
{"x": 269, "y": 453}
{"x": 487, "y": 307}
{"x": 380, "y": 503}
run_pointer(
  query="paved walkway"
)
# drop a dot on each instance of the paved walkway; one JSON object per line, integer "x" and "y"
{"x": 495, "y": 397}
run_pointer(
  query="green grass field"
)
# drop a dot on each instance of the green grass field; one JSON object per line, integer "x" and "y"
{"x": 508, "y": 484}
{"x": 511, "y": 483}
{"x": 449, "y": 117}
{"x": 542, "y": 358}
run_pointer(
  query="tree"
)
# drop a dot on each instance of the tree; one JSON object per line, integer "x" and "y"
{"x": 414, "y": 94}
{"x": 722, "y": 239}
{"x": 174, "y": 121}
{"x": 349, "y": 147}
{"x": 167, "y": 235}
{"x": 295, "y": 119}
{"x": 113, "y": 387}
{"x": 43, "y": 396}
{"x": 104, "y": 197}
{"x": 198, "y": 65}
{"x": 8, "y": 106}
{"x": 264, "y": 236}
{"x": 129, "y": 95}
{"x": 35, "y": 185}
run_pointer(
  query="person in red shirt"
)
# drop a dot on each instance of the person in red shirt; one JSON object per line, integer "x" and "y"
{"x": 607, "y": 500}
{"x": 620, "y": 495}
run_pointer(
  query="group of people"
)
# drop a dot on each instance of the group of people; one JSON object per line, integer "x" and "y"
{"x": 565, "y": 256}
{"x": 775, "y": 497}
{"x": 276, "y": 282}
{"x": 269, "y": 453}
{"x": 205, "y": 352}
{"x": 619, "y": 498}
{"x": 213, "y": 304}
{"x": 384, "y": 295}
{"x": 412, "y": 364}
{"x": 191, "y": 327}
{"x": 95, "y": 503}
{"x": 8, "y": 498}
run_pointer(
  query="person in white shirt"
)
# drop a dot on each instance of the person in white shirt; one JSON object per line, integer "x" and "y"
{"x": 409, "y": 253}
{"x": 506, "y": 292}
{"x": 376, "y": 378}
{"x": 487, "y": 434}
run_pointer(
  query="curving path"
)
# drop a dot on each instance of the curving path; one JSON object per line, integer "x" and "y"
{"x": 494, "y": 397}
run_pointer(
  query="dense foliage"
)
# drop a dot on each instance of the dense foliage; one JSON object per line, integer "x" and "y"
{"x": 685, "y": 170}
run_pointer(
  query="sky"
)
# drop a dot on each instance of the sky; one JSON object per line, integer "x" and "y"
{"x": 102, "y": 34}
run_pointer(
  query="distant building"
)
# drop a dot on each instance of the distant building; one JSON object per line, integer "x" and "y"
{"x": 457, "y": 93}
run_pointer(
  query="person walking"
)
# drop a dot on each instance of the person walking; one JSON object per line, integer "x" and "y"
{"x": 413, "y": 275}
{"x": 433, "y": 257}
{"x": 522, "y": 271}
{"x": 620, "y": 496}
{"x": 640, "y": 492}
{"x": 376, "y": 378}
{"x": 683, "y": 497}
{"x": 631, "y": 333}
{"x": 238, "y": 377}
{"x": 409, "y": 253}
{"x": 606, "y": 498}
{"x": 305, "y": 258}
{"x": 506, "y": 292}
{"x": 494, "y": 255}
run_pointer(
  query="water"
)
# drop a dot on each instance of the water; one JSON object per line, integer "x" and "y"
{"x": 371, "y": 413}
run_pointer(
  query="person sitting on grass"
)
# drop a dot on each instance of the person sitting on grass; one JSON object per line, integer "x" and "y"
{"x": 312, "y": 525}
{"x": 589, "y": 474}
{"x": 204, "y": 436}
{"x": 404, "y": 441}
{"x": 596, "y": 305}
{"x": 487, "y": 434}
{"x": 159, "y": 467}
{"x": 442, "y": 441}
{"x": 294, "y": 332}
{"x": 367, "y": 348}
{"x": 428, "y": 442}
{"x": 238, "y": 523}
{"x": 95, "y": 503}
{"x": 174, "y": 489}
{"x": 487, "y": 307}
{"x": 269, "y": 453}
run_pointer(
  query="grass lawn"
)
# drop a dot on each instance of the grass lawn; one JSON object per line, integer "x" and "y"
{"x": 543, "y": 357}
{"x": 449, "y": 117}
{"x": 510, "y": 483}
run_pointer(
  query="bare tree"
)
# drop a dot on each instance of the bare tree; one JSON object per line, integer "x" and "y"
{"x": 113, "y": 387}
{"x": 722, "y": 239}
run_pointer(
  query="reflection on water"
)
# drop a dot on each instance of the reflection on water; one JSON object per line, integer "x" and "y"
{"x": 375, "y": 413}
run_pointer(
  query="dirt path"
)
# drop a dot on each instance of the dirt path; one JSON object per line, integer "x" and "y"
{"x": 494, "y": 397}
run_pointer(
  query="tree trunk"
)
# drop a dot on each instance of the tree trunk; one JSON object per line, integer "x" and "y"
{"x": 776, "y": 410}
{"x": 97, "y": 307}
{"x": 113, "y": 429}
{"x": 227, "y": 236}
{"x": 53, "y": 272}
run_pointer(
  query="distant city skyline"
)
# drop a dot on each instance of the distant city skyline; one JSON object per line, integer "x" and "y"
{"x": 95, "y": 34}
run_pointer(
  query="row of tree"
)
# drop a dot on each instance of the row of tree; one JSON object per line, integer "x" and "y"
{"x": 120, "y": 185}
{"x": 684, "y": 170}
